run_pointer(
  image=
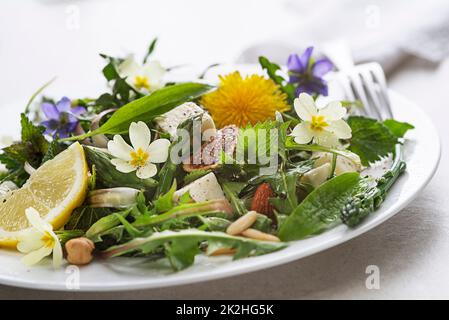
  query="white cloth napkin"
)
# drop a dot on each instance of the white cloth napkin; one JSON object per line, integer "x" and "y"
{"x": 383, "y": 31}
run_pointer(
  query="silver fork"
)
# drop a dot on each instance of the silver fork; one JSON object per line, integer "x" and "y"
{"x": 364, "y": 82}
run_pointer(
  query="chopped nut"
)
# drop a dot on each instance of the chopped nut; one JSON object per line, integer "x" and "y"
{"x": 79, "y": 250}
{"x": 242, "y": 223}
{"x": 259, "y": 235}
{"x": 222, "y": 251}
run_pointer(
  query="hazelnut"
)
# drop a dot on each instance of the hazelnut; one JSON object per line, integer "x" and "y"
{"x": 79, "y": 250}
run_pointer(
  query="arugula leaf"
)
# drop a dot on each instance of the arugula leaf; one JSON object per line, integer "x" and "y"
{"x": 272, "y": 69}
{"x": 181, "y": 247}
{"x": 195, "y": 175}
{"x": 148, "y": 107}
{"x": 371, "y": 139}
{"x": 320, "y": 210}
{"x": 54, "y": 148}
{"x": 185, "y": 210}
{"x": 285, "y": 188}
{"x": 165, "y": 202}
{"x": 166, "y": 177}
{"x": 231, "y": 190}
{"x": 398, "y": 128}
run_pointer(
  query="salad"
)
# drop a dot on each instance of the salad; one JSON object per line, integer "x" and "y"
{"x": 159, "y": 169}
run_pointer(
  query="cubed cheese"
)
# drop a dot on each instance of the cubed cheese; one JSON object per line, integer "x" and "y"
{"x": 170, "y": 121}
{"x": 317, "y": 176}
{"x": 203, "y": 189}
{"x": 342, "y": 165}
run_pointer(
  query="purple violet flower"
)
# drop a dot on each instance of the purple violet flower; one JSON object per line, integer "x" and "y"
{"x": 307, "y": 74}
{"x": 61, "y": 118}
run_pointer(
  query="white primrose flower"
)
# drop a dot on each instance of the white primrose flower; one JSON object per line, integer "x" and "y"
{"x": 323, "y": 126}
{"x": 141, "y": 156}
{"x": 144, "y": 78}
{"x": 39, "y": 241}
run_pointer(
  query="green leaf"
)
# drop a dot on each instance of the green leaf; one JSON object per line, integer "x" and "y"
{"x": 104, "y": 224}
{"x": 398, "y": 128}
{"x": 166, "y": 177}
{"x": 371, "y": 139}
{"x": 32, "y": 149}
{"x": 165, "y": 201}
{"x": 231, "y": 190}
{"x": 107, "y": 176}
{"x": 182, "y": 247}
{"x": 183, "y": 211}
{"x": 195, "y": 175}
{"x": 150, "y": 50}
{"x": 82, "y": 218}
{"x": 272, "y": 69}
{"x": 320, "y": 210}
{"x": 285, "y": 188}
{"x": 147, "y": 108}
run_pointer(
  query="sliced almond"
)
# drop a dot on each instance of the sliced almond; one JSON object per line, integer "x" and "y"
{"x": 259, "y": 235}
{"x": 242, "y": 223}
{"x": 222, "y": 251}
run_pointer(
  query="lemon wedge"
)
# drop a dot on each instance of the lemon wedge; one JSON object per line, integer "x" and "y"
{"x": 54, "y": 190}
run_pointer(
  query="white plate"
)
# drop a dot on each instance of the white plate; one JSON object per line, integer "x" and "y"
{"x": 422, "y": 153}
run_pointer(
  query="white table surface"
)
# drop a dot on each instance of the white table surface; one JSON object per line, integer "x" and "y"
{"x": 40, "y": 39}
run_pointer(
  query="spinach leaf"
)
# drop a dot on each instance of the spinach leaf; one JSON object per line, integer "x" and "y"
{"x": 320, "y": 210}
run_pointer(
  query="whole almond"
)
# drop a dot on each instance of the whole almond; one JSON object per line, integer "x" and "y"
{"x": 259, "y": 235}
{"x": 242, "y": 223}
{"x": 261, "y": 200}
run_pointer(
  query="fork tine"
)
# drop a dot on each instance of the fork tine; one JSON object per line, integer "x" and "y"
{"x": 379, "y": 78}
{"x": 359, "y": 91}
{"x": 370, "y": 87}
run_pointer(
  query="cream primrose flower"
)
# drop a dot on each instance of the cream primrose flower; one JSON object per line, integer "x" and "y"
{"x": 323, "y": 126}
{"x": 39, "y": 241}
{"x": 142, "y": 156}
{"x": 144, "y": 78}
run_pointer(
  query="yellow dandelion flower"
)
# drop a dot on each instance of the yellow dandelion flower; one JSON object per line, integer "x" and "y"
{"x": 246, "y": 100}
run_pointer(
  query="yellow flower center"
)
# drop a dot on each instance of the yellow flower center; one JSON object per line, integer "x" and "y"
{"x": 139, "y": 158}
{"x": 318, "y": 123}
{"x": 141, "y": 82}
{"x": 48, "y": 240}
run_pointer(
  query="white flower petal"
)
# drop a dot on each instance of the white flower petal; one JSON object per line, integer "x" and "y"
{"x": 154, "y": 71}
{"x": 158, "y": 150}
{"x": 119, "y": 148}
{"x": 333, "y": 111}
{"x": 36, "y": 221}
{"x": 326, "y": 139}
{"x": 140, "y": 135}
{"x": 302, "y": 133}
{"x": 147, "y": 171}
{"x": 36, "y": 256}
{"x": 57, "y": 251}
{"x": 128, "y": 68}
{"x": 122, "y": 165}
{"x": 340, "y": 129}
{"x": 30, "y": 240}
{"x": 305, "y": 107}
